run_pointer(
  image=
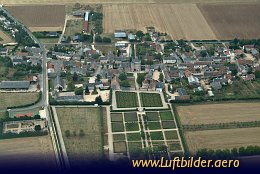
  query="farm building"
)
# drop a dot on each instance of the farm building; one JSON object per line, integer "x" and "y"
{"x": 86, "y": 21}
{"x": 120, "y": 34}
{"x": 10, "y": 85}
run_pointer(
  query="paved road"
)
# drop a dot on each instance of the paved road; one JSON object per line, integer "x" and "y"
{"x": 44, "y": 102}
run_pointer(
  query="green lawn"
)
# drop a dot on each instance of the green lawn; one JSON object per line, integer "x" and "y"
{"x": 132, "y": 126}
{"x": 118, "y": 137}
{"x": 151, "y": 100}
{"x": 174, "y": 145}
{"x": 156, "y": 135}
{"x": 166, "y": 115}
{"x": 130, "y": 117}
{"x": 117, "y": 117}
{"x": 117, "y": 127}
{"x": 154, "y": 125}
{"x": 126, "y": 99}
{"x": 171, "y": 135}
{"x": 134, "y": 146}
{"x": 152, "y": 116}
{"x": 168, "y": 125}
{"x": 120, "y": 147}
{"x": 134, "y": 137}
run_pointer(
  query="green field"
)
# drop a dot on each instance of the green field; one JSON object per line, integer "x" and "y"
{"x": 81, "y": 148}
{"x": 156, "y": 135}
{"x": 168, "y": 125}
{"x": 174, "y": 145}
{"x": 134, "y": 137}
{"x": 73, "y": 27}
{"x": 151, "y": 100}
{"x": 171, "y": 135}
{"x": 152, "y": 116}
{"x": 118, "y": 127}
{"x": 118, "y": 137}
{"x": 167, "y": 115}
{"x": 120, "y": 147}
{"x": 130, "y": 117}
{"x": 17, "y": 99}
{"x": 132, "y": 126}
{"x": 117, "y": 117}
{"x": 126, "y": 99}
{"x": 154, "y": 125}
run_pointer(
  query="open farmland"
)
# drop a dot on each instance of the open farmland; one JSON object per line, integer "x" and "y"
{"x": 5, "y": 38}
{"x": 181, "y": 21}
{"x": 40, "y": 17}
{"x": 229, "y": 21}
{"x": 17, "y": 99}
{"x": 126, "y": 99}
{"x": 218, "y": 113}
{"x": 27, "y": 152}
{"x": 82, "y": 133}
{"x": 222, "y": 139}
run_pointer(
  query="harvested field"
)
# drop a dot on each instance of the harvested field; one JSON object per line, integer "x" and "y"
{"x": 5, "y": 38}
{"x": 181, "y": 21}
{"x": 229, "y": 21}
{"x": 222, "y": 139}
{"x": 39, "y": 151}
{"x": 17, "y": 99}
{"x": 86, "y": 147}
{"x": 218, "y": 113}
{"x": 40, "y": 17}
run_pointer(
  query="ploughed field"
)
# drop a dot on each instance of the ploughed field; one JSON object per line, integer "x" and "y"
{"x": 40, "y": 17}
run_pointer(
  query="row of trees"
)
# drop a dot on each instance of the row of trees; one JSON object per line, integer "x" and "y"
{"x": 99, "y": 39}
{"x": 227, "y": 153}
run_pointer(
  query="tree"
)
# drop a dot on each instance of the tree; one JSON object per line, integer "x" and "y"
{"x": 94, "y": 91}
{"x": 122, "y": 76}
{"x": 125, "y": 83}
{"x": 139, "y": 34}
{"x": 86, "y": 90}
{"x": 98, "y": 100}
{"x": 140, "y": 78}
{"x": 98, "y": 38}
{"x": 74, "y": 133}
{"x": 67, "y": 133}
{"x": 37, "y": 128}
{"x": 158, "y": 56}
{"x": 71, "y": 86}
{"x": 75, "y": 77}
{"x": 95, "y": 56}
{"x": 257, "y": 74}
{"x": 98, "y": 77}
{"x": 81, "y": 133}
{"x": 78, "y": 91}
{"x": 106, "y": 40}
{"x": 37, "y": 116}
{"x": 203, "y": 53}
{"x": 161, "y": 77}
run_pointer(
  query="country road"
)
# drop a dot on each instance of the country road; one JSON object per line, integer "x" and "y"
{"x": 44, "y": 101}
